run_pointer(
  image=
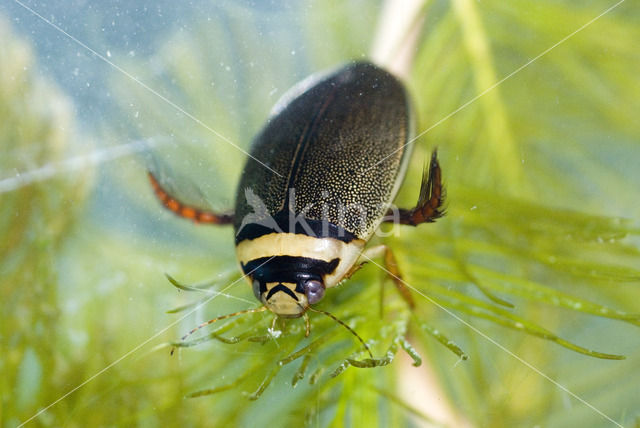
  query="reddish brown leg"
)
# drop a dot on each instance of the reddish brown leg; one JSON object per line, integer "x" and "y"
{"x": 198, "y": 215}
{"x": 356, "y": 267}
{"x": 391, "y": 266}
{"x": 430, "y": 203}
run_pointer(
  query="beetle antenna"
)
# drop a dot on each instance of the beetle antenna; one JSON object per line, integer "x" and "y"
{"x": 345, "y": 326}
{"x": 307, "y": 325}
{"x": 223, "y": 317}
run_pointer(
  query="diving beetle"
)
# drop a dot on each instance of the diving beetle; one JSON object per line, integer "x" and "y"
{"x": 319, "y": 181}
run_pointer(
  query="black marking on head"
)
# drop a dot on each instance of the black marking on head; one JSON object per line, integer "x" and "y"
{"x": 288, "y": 222}
{"x": 286, "y": 290}
{"x": 288, "y": 269}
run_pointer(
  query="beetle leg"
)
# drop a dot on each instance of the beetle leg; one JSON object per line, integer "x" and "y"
{"x": 430, "y": 203}
{"x": 356, "y": 267}
{"x": 198, "y": 215}
{"x": 391, "y": 266}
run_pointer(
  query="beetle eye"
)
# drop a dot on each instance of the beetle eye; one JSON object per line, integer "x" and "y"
{"x": 256, "y": 289}
{"x": 314, "y": 290}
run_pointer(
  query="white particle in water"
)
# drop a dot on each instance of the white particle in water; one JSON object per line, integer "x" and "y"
{"x": 274, "y": 333}
{"x": 108, "y": 54}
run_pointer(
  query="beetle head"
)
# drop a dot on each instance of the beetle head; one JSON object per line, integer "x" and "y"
{"x": 289, "y": 299}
